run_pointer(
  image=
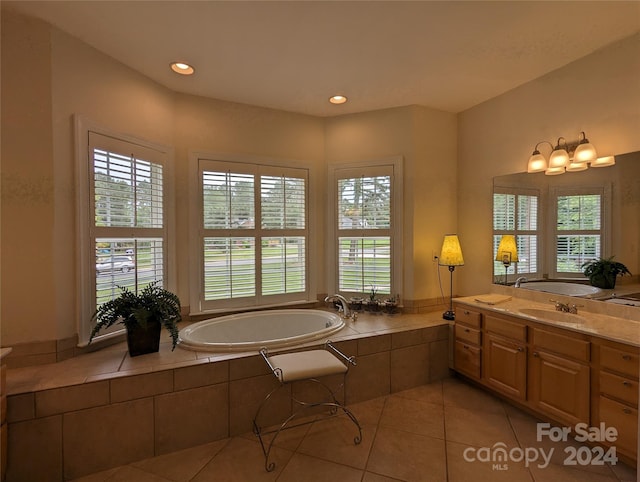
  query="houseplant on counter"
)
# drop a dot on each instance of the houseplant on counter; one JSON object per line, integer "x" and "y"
{"x": 602, "y": 272}
{"x": 143, "y": 315}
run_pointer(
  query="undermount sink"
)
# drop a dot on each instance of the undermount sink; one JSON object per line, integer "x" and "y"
{"x": 552, "y": 315}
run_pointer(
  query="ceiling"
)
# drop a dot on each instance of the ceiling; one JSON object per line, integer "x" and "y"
{"x": 294, "y": 55}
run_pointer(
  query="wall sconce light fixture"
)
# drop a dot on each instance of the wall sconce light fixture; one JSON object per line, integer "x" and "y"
{"x": 565, "y": 157}
{"x": 451, "y": 256}
{"x": 507, "y": 252}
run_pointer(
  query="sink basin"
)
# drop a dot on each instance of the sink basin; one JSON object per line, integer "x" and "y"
{"x": 552, "y": 315}
{"x": 560, "y": 288}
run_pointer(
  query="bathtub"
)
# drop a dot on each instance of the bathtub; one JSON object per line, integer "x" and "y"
{"x": 561, "y": 288}
{"x": 254, "y": 330}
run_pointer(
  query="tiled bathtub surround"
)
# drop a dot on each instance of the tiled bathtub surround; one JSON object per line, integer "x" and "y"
{"x": 105, "y": 409}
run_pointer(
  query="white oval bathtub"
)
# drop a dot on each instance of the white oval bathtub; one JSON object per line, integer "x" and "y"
{"x": 254, "y": 330}
{"x": 562, "y": 288}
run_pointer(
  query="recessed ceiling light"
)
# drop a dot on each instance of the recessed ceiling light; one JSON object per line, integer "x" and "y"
{"x": 182, "y": 68}
{"x": 337, "y": 99}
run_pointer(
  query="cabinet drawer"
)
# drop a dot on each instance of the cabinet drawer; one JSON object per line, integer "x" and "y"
{"x": 619, "y": 360}
{"x": 510, "y": 329}
{"x": 469, "y": 317}
{"x": 625, "y": 420}
{"x": 562, "y": 344}
{"x": 619, "y": 387}
{"x": 464, "y": 333}
{"x": 467, "y": 359}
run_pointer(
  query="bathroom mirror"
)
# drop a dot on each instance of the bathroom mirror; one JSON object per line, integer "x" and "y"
{"x": 623, "y": 212}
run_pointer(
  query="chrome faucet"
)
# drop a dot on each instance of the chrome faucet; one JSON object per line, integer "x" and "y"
{"x": 343, "y": 301}
{"x": 522, "y": 279}
{"x": 566, "y": 307}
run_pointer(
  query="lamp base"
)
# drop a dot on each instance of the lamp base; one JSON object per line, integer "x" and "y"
{"x": 449, "y": 315}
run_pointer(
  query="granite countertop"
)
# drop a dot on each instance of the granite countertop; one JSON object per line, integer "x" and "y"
{"x": 606, "y": 326}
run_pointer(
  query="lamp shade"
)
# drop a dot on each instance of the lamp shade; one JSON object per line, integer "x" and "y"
{"x": 604, "y": 161}
{"x": 559, "y": 157}
{"x": 451, "y": 253}
{"x": 585, "y": 152}
{"x": 577, "y": 166}
{"x": 554, "y": 171}
{"x": 507, "y": 251}
{"x": 537, "y": 162}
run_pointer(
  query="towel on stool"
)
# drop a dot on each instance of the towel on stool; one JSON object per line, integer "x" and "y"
{"x": 306, "y": 364}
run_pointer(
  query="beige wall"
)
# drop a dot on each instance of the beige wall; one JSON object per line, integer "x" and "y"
{"x": 598, "y": 94}
{"x": 426, "y": 140}
{"x": 54, "y": 76}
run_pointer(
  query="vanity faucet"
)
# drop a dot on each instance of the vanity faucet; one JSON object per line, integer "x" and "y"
{"x": 522, "y": 279}
{"x": 566, "y": 307}
{"x": 343, "y": 301}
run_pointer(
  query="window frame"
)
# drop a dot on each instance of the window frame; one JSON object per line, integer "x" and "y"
{"x": 514, "y": 272}
{"x": 605, "y": 224}
{"x": 367, "y": 168}
{"x": 86, "y": 231}
{"x": 265, "y": 166}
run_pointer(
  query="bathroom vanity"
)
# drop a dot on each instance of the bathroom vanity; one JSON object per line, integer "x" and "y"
{"x": 566, "y": 368}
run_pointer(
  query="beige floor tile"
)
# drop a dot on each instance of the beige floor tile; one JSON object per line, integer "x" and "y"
{"x": 555, "y": 473}
{"x": 457, "y": 393}
{"x": 311, "y": 469}
{"x": 369, "y": 412}
{"x": 371, "y": 477}
{"x": 242, "y": 460}
{"x": 625, "y": 473}
{"x": 431, "y": 393}
{"x": 477, "y": 428}
{"x": 183, "y": 465}
{"x": 414, "y": 416}
{"x": 98, "y": 476}
{"x": 132, "y": 474}
{"x": 464, "y": 469}
{"x": 333, "y": 439}
{"x": 407, "y": 456}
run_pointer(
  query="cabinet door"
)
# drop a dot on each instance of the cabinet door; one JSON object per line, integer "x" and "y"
{"x": 467, "y": 359}
{"x": 625, "y": 419}
{"x": 505, "y": 365}
{"x": 559, "y": 387}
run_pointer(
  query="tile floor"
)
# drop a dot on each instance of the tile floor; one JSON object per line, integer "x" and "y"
{"x": 414, "y": 435}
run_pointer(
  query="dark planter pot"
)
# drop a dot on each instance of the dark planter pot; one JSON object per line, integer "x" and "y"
{"x": 604, "y": 282}
{"x": 141, "y": 341}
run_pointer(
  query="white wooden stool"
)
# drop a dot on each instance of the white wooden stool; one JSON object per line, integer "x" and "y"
{"x": 307, "y": 366}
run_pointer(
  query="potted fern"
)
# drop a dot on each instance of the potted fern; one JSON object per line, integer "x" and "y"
{"x": 602, "y": 272}
{"x": 143, "y": 315}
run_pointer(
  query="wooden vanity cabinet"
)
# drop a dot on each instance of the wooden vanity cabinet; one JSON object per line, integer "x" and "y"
{"x": 467, "y": 343}
{"x": 559, "y": 375}
{"x": 564, "y": 376}
{"x": 504, "y": 357}
{"x": 615, "y": 397}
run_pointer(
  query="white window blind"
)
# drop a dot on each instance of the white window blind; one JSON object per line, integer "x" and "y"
{"x": 127, "y": 229}
{"x": 578, "y": 236}
{"x": 364, "y": 232}
{"x": 517, "y": 214}
{"x": 249, "y": 263}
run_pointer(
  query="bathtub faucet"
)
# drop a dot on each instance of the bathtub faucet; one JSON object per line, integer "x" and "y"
{"x": 343, "y": 301}
{"x": 522, "y": 279}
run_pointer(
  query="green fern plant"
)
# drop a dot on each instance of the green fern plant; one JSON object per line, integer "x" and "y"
{"x": 602, "y": 272}
{"x": 152, "y": 305}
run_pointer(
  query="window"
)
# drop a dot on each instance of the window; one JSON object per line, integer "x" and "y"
{"x": 366, "y": 229}
{"x": 579, "y": 228}
{"x": 254, "y": 234}
{"x": 123, "y": 242}
{"x": 516, "y": 212}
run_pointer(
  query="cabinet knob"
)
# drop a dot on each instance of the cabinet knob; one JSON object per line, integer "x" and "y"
{"x": 520, "y": 349}
{"x": 626, "y": 357}
{"x": 536, "y": 354}
{"x": 466, "y": 330}
{"x": 626, "y": 383}
{"x": 626, "y": 410}
{"x": 466, "y": 312}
